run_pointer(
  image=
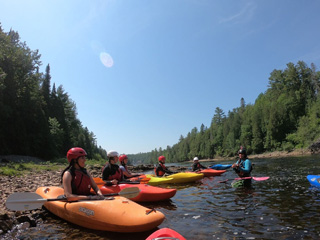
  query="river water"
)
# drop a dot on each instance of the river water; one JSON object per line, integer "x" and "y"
{"x": 282, "y": 207}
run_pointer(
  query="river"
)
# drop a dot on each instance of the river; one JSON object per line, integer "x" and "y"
{"x": 282, "y": 207}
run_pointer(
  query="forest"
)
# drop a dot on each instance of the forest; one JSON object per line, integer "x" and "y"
{"x": 39, "y": 119}
{"x": 36, "y": 119}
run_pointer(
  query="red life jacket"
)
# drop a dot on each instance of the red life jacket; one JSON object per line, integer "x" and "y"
{"x": 159, "y": 171}
{"x": 117, "y": 175}
{"x": 114, "y": 168}
{"x": 81, "y": 182}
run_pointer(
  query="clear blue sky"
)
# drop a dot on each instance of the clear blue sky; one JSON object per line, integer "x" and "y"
{"x": 144, "y": 72}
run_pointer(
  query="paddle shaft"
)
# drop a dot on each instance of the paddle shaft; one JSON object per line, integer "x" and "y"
{"x": 244, "y": 178}
{"x": 30, "y": 200}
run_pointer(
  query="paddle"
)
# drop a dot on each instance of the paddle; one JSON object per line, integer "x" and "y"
{"x": 30, "y": 200}
{"x": 254, "y": 178}
{"x": 100, "y": 182}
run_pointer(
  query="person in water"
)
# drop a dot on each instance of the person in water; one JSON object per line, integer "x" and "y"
{"x": 197, "y": 166}
{"x": 161, "y": 169}
{"x": 76, "y": 181}
{"x": 111, "y": 173}
{"x": 243, "y": 166}
{"x": 126, "y": 173}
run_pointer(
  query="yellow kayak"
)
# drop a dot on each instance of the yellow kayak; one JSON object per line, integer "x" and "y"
{"x": 154, "y": 181}
{"x": 183, "y": 177}
{"x": 117, "y": 215}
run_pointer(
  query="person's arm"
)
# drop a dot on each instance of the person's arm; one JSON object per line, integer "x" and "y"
{"x": 166, "y": 170}
{"x": 194, "y": 167}
{"x": 125, "y": 172}
{"x": 96, "y": 189}
{"x": 203, "y": 167}
{"x": 247, "y": 166}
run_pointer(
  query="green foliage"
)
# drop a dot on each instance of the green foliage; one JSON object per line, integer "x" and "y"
{"x": 18, "y": 169}
{"x": 36, "y": 120}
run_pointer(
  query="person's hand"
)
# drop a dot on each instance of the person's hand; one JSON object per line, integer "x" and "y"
{"x": 97, "y": 197}
{"x": 234, "y": 165}
{"x": 114, "y": 181}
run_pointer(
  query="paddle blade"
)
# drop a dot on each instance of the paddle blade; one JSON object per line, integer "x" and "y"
{"x": 260, "y": 178}
{"x": 24, "y": 201}
{"x": 129, "y": 192}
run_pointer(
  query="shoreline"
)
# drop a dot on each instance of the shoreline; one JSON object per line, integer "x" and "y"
{"x": 275, "y": 154}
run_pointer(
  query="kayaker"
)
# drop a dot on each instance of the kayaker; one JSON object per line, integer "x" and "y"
{"x": 111, "y": 173}
{"x": 126, "y": 173}
{"x": 76, "y": 181}
{"x": 243, "y": 166}
{"x": 197, "y": 166}
{"x": 161, "y": 168}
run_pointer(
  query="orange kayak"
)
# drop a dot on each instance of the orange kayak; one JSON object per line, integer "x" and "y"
{"x": 147, "y": 193}
{"x": 211, "y": 172}
{"x": 117, "y": 215}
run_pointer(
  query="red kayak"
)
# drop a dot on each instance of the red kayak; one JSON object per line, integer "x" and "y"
{"x": 212, "y": 172}
{"x": 165, "y": 234}
{"x": 147, "y": 193}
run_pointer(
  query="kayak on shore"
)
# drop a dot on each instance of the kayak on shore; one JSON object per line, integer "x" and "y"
{"x": 165, "y": 234}
{"x": 117, "y": 214}
{"x": 147, "y": 193}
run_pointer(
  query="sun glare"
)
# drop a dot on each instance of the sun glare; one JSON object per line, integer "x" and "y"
{"x": 106, "y": 59}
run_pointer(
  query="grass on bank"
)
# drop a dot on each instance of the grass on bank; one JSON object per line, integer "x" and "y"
{"x": 22, "y": 168}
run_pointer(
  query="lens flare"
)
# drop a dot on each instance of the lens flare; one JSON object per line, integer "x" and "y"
{"x": 106, "y": 59}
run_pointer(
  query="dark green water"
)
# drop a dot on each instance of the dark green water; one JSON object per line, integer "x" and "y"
{"x": 283, "y": 207}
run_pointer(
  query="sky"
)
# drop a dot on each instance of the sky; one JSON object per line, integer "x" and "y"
{"x": 142, "y": 73}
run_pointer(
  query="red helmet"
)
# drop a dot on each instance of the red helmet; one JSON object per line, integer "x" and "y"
{"x": 123, "y": 157}
{"x": 75, "y": 152}
{"x": 161, "y": 158}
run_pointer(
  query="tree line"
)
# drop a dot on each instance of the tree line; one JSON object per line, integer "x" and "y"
{"x": 284, "y": 118}
{"x": 37, "y": 119}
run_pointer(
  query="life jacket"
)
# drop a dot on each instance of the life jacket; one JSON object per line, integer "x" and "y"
{"x": 117, "y": 172}
{"x": 160, "y": 170}
{"x": 198, "y": 166}
{"x": 241, "y": 173}
{"x": 81, "y": 182}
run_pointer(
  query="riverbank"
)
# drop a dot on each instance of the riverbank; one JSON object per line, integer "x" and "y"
{"x": 276, "y": 154}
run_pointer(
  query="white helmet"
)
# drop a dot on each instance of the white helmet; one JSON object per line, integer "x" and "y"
{"x": 113, "y": 153}
{"x": 196, "y": 159}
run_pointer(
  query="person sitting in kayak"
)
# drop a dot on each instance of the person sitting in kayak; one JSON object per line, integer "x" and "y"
{"x": 111, "y": 173}
{"x": 243, "y": 166}
{"x": 197, "y": 166}
{"x": 126, "y": 173}
{"x": 161, "y": 169}
{"x": 76, "y": 181}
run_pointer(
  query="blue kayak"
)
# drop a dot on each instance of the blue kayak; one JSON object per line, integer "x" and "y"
{"x": 221, "y": 166}
{"x": 314, "y": 180}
